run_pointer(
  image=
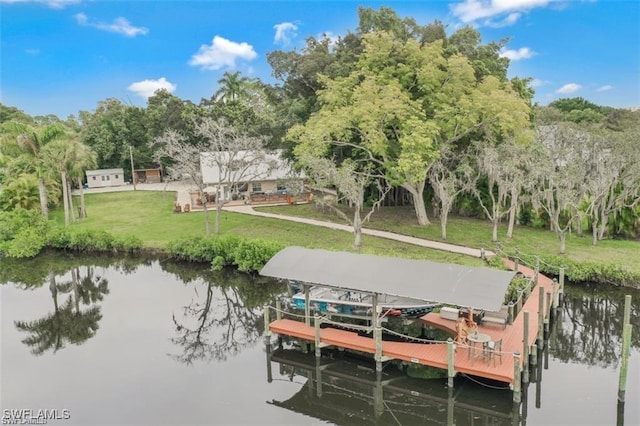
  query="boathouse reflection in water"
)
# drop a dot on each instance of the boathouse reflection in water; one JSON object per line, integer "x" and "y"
{"x": 343, "y": 390}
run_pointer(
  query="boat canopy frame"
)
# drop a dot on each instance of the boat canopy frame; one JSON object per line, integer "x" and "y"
{"x": 474, "y": 287}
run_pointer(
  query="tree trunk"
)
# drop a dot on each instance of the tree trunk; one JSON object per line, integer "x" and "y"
{"x": 604, "y": 221}
{"x": 513, "y": 212}
{"x": 494, "y": 232}
{"x": 72, "y": 214}
{"x": 594, "y": 233}
{"x": 418, "y": 205}
{"x": 444, "y": 217}
{"x": 563, "y": 241}
{"x": 83, "y": 208}
{"x": 65, "y": 197}
{"x": 43, "y": 198}
{"x": 357, "y": 228}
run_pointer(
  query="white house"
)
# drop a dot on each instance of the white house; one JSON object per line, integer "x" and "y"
{"x": 105, "y": 177}
{"x": 250, "y": 172}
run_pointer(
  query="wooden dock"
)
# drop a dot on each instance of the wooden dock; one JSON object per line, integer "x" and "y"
{"x": 435, "y": 354}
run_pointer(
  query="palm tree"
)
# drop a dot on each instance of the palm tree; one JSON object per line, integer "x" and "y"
{"x": 32, "y": 140}
{"x": 232, "y": 87}
{"x": 69, "y": 158}
{"x": 21, "y": 192}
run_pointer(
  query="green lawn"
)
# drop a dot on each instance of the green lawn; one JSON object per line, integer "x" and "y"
{"x": 477, "y": 233}
{"x": 149, "y": 215}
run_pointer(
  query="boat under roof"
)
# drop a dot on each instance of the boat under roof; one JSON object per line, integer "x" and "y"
{"x": 474, "y": 287}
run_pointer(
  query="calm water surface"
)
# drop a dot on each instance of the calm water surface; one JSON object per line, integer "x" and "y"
{"x": 148, "y": 342}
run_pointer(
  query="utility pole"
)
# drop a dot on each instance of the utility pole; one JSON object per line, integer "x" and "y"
{"x": 133, "y": 176}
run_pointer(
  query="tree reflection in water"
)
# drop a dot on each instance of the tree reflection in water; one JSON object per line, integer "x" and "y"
{"x": 225, "y": 316}
{"x": 68, "y": 323}
{"x": 589, "y": 329}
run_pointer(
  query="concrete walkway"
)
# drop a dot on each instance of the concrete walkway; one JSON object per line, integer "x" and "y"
{"x": 365, "y": 231}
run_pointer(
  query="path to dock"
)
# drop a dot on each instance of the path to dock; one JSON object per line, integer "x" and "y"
{"x": 246, "y": 209}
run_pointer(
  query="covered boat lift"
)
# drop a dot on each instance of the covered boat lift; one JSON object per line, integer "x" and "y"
{"x": 472, "y": 287}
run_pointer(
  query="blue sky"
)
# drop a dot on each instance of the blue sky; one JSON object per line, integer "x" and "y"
{"x": 63, "y": 56}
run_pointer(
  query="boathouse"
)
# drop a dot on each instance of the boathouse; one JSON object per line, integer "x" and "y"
{"x": 473, "y": 288}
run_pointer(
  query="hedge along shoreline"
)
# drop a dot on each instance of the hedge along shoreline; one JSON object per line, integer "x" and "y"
{"x": 227, "y": 250}
{"x": 577, "y": 271}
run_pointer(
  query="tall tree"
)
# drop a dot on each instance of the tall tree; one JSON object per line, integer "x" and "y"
{"x": 560, "y": 175}
{"x": 32, "y": 141}
{"x": 232, "y": 87}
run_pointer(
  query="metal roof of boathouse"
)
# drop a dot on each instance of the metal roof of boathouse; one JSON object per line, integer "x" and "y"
{"x": 479, "y": 288}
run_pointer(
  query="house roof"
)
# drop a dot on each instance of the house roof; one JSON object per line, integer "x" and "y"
{"x": 274, "y": 167}
{"x": 100, "y": 172}
{"x": 479, "y": 288}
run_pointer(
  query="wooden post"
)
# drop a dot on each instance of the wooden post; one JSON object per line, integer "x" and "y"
{"x": 378, "y": 396}
{"x": 307, "y": 307}
{"x": 547, "y": 314}
{"x": 316, "y": 326}
{"x": 539, "y": 339}
{"x": 517, "y": 385}
{"x": 378, "y": 338}
{"x": 483, "y": 255}
{"x": 318, "y": 378}
{"x": 537, "y": 271}
{"x": 520, "y": 301}
{"x": 267, "y": 321}
{"x": 374, "y": 309}
{"x": 278, "y": 309}
{"x": 516, "y": 259}
{"x": 626, "y": 349}
{"x": 268, "y": 352}
{"x": 451, "y": 371}
{"x": 525, "y": 347}
{"x": 556, "y": 293}
{"x": 561, "y": 278}
{"x": 511, "y": 313}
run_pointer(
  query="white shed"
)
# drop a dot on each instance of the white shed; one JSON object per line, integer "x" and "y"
{"x": 105, "y": 177}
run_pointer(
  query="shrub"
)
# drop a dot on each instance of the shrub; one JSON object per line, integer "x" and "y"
{"x": 252, "y": 255}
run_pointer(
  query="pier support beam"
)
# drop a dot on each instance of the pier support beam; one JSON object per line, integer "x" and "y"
{"x": 626, "y": 349}
{"x": 267, "y": 321}
{"x": 278, "y": 309}
{"x": 307, "y": 306}
{"x": 525, "y": 346}
{"x": 539, "y": 339}
{"x": 451, "y": 371}
{"x": 517, "y": 385}
{"x": 316, "y": 326}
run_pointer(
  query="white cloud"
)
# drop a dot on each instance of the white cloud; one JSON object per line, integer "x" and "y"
{"x": 285, "y": 32}
{"x": 472, "y": 10}
{"x": 54, "y": 4}
{"x": 569, "y": 88}
{"x": 509, "y": 20}
{"x": 33, "y": 51}
{"x": 147, "y": 88}
{"x": 333, "y": 38}
{"x": 604, "y": 88}
{"x": 516, "y": 55}
{"x": 536, "y": 82}
{"x": 222, "y": 53}
{"x": 120, "y": 25}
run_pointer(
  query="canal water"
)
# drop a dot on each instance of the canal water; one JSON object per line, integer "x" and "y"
{"x": 147, "y": 341}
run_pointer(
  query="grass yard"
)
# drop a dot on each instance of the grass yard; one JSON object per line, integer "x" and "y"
{"x": 477, "y": 233}
{"x": 149, "y": 216}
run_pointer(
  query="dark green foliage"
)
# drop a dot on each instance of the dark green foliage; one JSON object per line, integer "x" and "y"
{"x": 91, "y": 241}
{"x": 22, "y": 233}
{"x": 583, "y": 271}
{"x": 515, "y": 286}
{"x": 228, "y": 250}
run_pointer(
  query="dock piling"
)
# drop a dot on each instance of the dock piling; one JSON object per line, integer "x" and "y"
{"x": 451, "y": 372}
{"x": 626, "y": 349}
{"x": 316, "y": 326}
{"x": 267, "y": 321}
{"x": 278, "y": 309}
{"x": 525, "y": 346}
{"x": 517, "y": 385}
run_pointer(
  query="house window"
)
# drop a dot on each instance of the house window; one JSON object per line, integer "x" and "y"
{"x": 116, "y": 176}
{"x": 103, "y": 178}
{"x": 93, "y": 177}
{"x": 257, "y": 186}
